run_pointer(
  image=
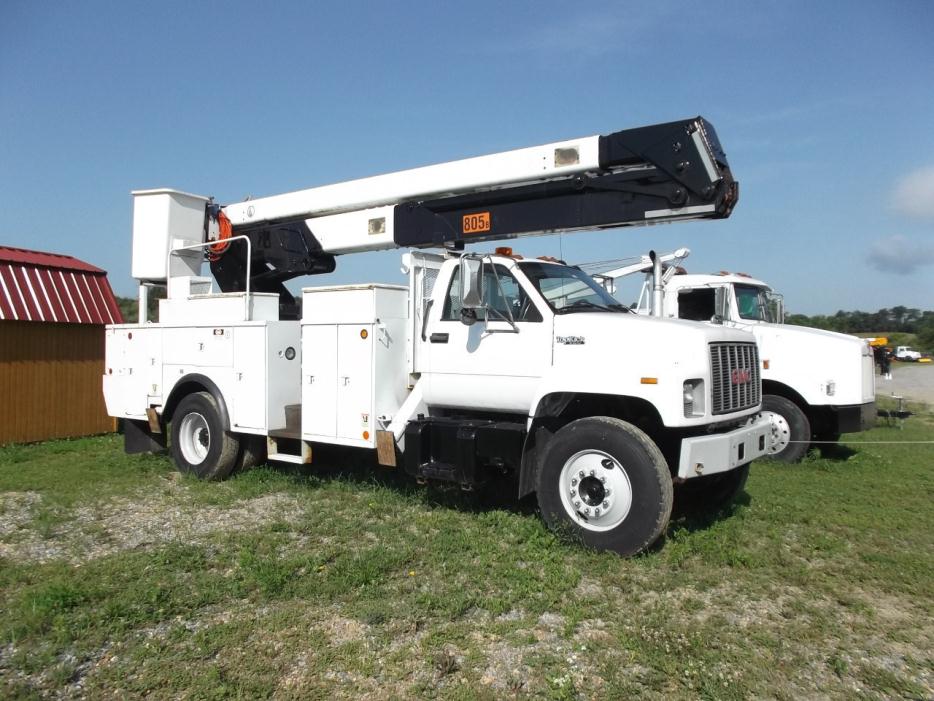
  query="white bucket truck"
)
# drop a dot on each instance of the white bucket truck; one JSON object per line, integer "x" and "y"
{"x": 816, "y": 384}
{"x": 483, "y": 364}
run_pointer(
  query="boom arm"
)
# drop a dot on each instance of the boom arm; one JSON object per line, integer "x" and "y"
{"x": 659, "y": 173}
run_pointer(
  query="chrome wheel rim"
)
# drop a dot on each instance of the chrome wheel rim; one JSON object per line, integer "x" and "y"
{"x": 595, "y": 490}
{"x": 194, "y": 438}
{"x": 780, "y": 432}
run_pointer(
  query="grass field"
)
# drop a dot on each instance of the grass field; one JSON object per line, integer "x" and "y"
{"x": 120, "y": 578}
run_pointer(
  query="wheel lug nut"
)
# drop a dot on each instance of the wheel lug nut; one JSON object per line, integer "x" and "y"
{"x": 574, "y": 482}
{"x": 603, "y": 479}
{"x": 573, "y": 492}
{"x": 596, "y": 512}
{"x": 592, "y": 473}
{"x": 580, "y": 474}
{"x": 587, "y": 511}
{"x": 576, "y": 504}
{"x": 606, "y": 505}
{"x": 607, "y": 491}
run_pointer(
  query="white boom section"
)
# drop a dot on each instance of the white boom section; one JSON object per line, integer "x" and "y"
{"x": 519, "y": 166}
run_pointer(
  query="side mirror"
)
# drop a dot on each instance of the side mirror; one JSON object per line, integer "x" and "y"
{"x": 779, "y": 309}
{"x": 471, "y": 276}
{"x": 468, "y": 316}
{"x": 721, "y": 304}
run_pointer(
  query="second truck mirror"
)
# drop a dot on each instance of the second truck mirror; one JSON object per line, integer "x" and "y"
{"x": 721, "y": 304}
{"x": 471, "y": 274}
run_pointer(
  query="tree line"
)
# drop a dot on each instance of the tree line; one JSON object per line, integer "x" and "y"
{"x": 885, "y": 321}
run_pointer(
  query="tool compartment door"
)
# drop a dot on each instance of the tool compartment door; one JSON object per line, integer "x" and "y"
{"x": 355, "y": 384}
{"x": 319, "y": 381}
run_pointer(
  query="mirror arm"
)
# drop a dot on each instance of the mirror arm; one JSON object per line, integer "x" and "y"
{"x": 425, "y": 318}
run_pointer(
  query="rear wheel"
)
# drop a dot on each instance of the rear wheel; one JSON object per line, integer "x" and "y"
{"x": 604, "y": 482}
{"x": 791, "y": 430}
{"x": 200, "y": 445}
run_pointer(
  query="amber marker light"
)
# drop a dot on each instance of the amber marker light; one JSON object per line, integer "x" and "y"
{"x": 765, "y": 364}
{"x": 366, "y": 435}
{"x": 364, "y": 333}
{"x": 649, "y": 380}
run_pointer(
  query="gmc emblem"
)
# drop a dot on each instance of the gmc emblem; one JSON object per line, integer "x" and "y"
{"x": 739, "y": 377}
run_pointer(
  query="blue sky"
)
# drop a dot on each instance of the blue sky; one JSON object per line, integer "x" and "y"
{"x": 826, "y": 111}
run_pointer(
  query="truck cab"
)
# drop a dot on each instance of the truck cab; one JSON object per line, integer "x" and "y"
{"x": 816, "y": 384}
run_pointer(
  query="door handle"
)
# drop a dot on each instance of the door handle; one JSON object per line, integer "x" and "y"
{"x": 439, "y": 338}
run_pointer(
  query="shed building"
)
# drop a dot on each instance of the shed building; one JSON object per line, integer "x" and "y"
{"x": 53, "y": 309}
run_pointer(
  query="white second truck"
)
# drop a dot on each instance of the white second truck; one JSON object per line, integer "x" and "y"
{"x": 483, "y": 364}
{"x": 907, "y": 354}
{"x": 816, "y": 384}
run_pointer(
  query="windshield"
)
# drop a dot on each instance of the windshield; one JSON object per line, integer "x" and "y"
{"x": 567, "y": 289}
{"x": 757, "y": 304}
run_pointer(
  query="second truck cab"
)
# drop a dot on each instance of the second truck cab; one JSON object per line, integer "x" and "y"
{"x": 816, "y": 384}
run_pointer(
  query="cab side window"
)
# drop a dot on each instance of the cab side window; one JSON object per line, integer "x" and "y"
{"x": 453, "y": 303}
{"x": 697, "y": 305}
{"x": 502, "y": 298}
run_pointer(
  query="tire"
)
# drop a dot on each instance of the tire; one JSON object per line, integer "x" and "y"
{"x": 791, "y": 430}
{"x": 200, "y": 445}
{"x": 607, "y": 465}
{"x": 708, "y": 495}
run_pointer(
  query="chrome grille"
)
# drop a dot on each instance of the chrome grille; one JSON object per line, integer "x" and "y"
{"x": 726, "y": 394}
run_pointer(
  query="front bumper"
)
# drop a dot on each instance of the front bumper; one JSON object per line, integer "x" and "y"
{"x": 720, "y": 452}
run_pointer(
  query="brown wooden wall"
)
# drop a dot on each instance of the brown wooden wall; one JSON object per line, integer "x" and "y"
{"x": 50, "y": 381}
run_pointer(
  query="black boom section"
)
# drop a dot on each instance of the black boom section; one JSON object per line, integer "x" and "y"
{"x": 279, "y": 252}
{"x": 654, "y": 173}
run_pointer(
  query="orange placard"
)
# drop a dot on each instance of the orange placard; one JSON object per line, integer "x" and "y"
{"x": 476, "y": 223}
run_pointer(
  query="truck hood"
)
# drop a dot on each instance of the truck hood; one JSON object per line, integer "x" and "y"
{"x": 654, "y": 345}
{"x": 814, "y": 361}
{"x": 611, "y": 324}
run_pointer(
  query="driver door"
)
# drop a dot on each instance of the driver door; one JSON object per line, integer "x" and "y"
{"x": 494, "y": 363}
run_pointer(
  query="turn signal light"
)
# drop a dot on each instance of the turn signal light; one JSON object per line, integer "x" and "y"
{"x": 649, "y": 380}
{"x": 503, "y": 251}
{"x": 765, "y": 364}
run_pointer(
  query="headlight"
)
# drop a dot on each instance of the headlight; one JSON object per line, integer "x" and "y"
{"x": 693, "y": 394}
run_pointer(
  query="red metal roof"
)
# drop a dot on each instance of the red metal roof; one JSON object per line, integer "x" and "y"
{"x": 37, "y": 286}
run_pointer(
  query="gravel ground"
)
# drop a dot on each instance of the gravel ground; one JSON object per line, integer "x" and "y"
{"x": 909, "y": 380}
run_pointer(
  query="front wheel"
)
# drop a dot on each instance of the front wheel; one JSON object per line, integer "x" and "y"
{"x": 791, "y": 430}
{"x": 603, "y": 481}
{"x": 200, "y": 445}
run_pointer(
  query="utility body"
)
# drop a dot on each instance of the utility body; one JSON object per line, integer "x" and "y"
{"x": 483, "y": 365}
{"x": 816, "y": 384}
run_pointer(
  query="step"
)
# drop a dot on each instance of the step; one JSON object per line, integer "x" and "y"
{"x": 293, "y": 417}
{"x": 303, "y": 457}
{"x": 285, "y": 457}
{"x": 292, "y": 433}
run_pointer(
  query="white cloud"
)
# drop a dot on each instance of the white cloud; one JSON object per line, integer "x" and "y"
{"x": 898, "y": 254}
{"x": 914, "y": 194}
